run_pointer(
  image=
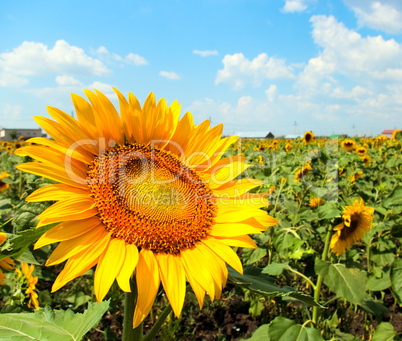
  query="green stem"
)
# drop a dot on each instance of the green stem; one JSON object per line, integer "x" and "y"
{"x": 308, "y": 280}
{"x": 317, "y": 290}
{"x": 158, "y": 324}
{"x": 130, "y": 299}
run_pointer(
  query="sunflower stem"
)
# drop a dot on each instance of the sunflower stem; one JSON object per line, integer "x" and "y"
{"x": 317, "y": 290}
{"x": 158, "y": 324}
{"x": 130, "y": 299}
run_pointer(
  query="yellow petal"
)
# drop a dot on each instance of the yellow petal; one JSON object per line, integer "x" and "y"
{"x": 225, "y": 252}
{"x": 148, "y": 280}
{"x": 67, "y": 230}
{"x": 173, "y": 280}
{"x": 57, "y": 192}
{"x": 69, "y": 207}
{"x": 127, "y": 270}
{"x": 108, "y": 267}
{"x": 81, "y": 262}
{"x": 233, "y": 229}
{"x": 239, "y": 241}
{"x": 71, "y": 247}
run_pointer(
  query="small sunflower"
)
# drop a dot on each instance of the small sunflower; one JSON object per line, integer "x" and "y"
{"x": 5, "y": 263}
{"x": 143, "y": 194}
{"x": 361, "y": 150}
{"x": 357, "y": 220}
{"x": 366, "y": 159}
{"x": 31, "y": 292}
{"x": 316, "y": 202}
{"x": 3, "y": 185}
{"x": 356, "y": 176}
{"x": 308, "y": 137}
{"x": 288, "y": 147}
{"x": 396, "y": 131}
{"x": 348, "y": 144}
{"x": 302, "y": 172}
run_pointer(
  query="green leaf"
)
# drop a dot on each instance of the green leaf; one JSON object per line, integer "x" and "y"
{"x": 329, "y": 210}
{"x": 28, "y": 257}
{"x": 384, "y": 332}
{"x": 282, "y": 329}
{"x": 275, "y": 269}
{"x": 346, "y": 283}
{"x": 379, "y": 284}
{"x": 16, "y": 245}
{"x": 374, "y": 307}
{"x": 321, "y": 267}
{"x": 46, "y": 324}
{"x": 25, "y": 214}
{"x": 395, "y": 199}
{"x": 256, "y": 255}
{"x": 261, "y": 334}
{"x": 396, "y": 279}
{"x": 263, "y": 284}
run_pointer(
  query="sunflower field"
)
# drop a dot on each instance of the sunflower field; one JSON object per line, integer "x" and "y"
{"x": 326, "y": 266}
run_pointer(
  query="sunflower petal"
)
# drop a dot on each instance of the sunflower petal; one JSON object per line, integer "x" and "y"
{"x": 127, "y": 270}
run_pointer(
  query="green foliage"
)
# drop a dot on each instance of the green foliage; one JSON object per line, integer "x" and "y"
{"x": 48, "y": 324}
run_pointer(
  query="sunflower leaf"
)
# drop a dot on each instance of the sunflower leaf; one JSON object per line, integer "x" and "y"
{"x": 384, "y": 332}
{"x": 47, "y": 324}
{"x": 16, "y": 245}
{"x": 346, "y": 282}
{"x": 396, "y": 279}
{"x": 395, "y": 199}
{"x": 253, "y": 279}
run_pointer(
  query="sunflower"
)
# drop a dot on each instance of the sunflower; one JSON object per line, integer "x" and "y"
{"x": 288, "y": 147}
{"x": 302, "y": 172}
{"x": 396, "y": 131}
{"x": 3, "y": 185}
{"x": 143, "y": 193}
{"x": 356, "y": 176}
{"x": 366, "y": 159}
{"x": 308, "y": 137}
{"x": 361, "y": 150}
{"x": 26, "y": 272}
{"x": 356, "y": 221}
{"x": 348, "y": 144}
{"x": 5, "y": 263}
{"x": 316, "y": 202}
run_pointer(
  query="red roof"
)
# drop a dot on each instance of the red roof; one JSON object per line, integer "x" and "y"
{"x": 388, "y": 131}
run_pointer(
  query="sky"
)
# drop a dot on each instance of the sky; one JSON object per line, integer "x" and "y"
{"x": 257, "y": 66}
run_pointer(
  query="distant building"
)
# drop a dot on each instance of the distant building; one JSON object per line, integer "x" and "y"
{"x": 388, "y": 133}
{"x": 270, "y": 136}
{"x": 13, "y": 134}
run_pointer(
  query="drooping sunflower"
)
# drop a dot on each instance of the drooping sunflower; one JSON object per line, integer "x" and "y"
{"x": 31, "y": 292}
{"x": 316, "y": 202}
{"x": 348, "y": 144}
{"x": 302, "y": 172}
{"x": 3, "y": 185}
{"x": 308, "y": 137}
{"x": 366, "y": 159}
{"x": 356, "y": 221}
{"x": 145, "y": 193}
{"x": 5, "y": 263}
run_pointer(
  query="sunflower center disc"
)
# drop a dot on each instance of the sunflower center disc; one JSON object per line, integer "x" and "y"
{"x": 148, "y": 197}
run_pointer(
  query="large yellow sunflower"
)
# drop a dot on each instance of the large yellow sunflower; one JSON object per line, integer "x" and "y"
{"x": 145, "y": 193}
{"x": 356, "y": 221}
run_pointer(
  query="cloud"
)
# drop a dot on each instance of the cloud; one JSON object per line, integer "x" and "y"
{"x": 11, "y": 112}
{"x": 385, "y": 15}
{"x": 135, "y": 59}
{"x": 206, "y": 53}
{"x": 36, "y": 59}
{"x": 10, "y": 80}
{"x": 169, "y": 75}
{"x": 239, "y": 71}
{"x": 368, "y": 61}
{"x": 271, "y": 92}
{"x": 131, "y": 58}
{"x": 292, "y": 6}
{"x": 67, "y": 80}
{"x": 104, "y": 88}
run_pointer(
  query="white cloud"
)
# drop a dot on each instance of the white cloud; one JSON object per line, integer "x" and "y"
{"x": 239, "y": 71}
{"x": 11, "y": 111}
{"x": 271, "y": 92}
{"x": 104, "y": 88}
{"x": 36, "y": 59}
{"x": 67, "y": 80}
{"x": 10, "y": 80}
{"x": 383, "y": 15}
{"x": 135, "y": 59}
{"x": 206, "y": 53}
{"x": 292, "y": 6}
{"x": 169, "y": 75}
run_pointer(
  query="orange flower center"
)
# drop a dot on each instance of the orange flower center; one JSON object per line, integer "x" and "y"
{"x": 148, "y": 197}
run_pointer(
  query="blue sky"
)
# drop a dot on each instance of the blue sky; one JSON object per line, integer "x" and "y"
{"x": 284, "y": 66}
